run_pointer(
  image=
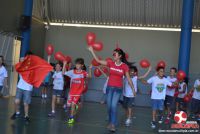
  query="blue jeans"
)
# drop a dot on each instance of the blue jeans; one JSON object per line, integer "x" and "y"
{"x": 113, "y": 96}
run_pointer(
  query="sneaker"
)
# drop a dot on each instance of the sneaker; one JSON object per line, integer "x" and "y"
{"x": 71, "y": 121}
{"x": 193, "y": 116}
{"x": 161, "y": 120}
{"x": 112, "y": 129}
{"x": 45, "y": 96}
{"x": 14, "y": 116}
{"x": 128, "y": 122}
{"x": 42, "y": 96}
{"x": 51, "y": 114}
{"x": 27, "y": 119}
{"x": 167, "y": 121}
{"x": 64, "y": 106}
{"x": 153, "y": 125}
{"x": 76, "y": 107}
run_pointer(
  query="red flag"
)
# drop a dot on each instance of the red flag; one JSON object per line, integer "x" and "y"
{"x": 33, "y": 69}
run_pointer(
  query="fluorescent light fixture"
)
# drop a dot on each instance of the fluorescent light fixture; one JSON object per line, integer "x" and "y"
{"x": 119, "y": 27}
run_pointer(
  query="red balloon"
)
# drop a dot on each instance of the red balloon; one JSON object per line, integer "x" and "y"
{"x": 95, "y": 63}
{"x": 68, "y": 59}
{"x": 191, "y": 93}
{"x": 59, "y": 56}
{"x": 127, "y": 56}
{"x": 105, "y": 70}
{"x": 67, "y": 67}
{"x": 176, "y": 94}
{"x": 144, "y": 63}
{"x": 97, "y": 72}
{"x": 161, "y": 64}
{"x": 49, "y": 49}
{"x": 97, "y": 46}
{"x": 186, "y": 98}
{"x": 109, "y": 59}
{"x": 181, "y": 75}
{"x": 90, "y": 38}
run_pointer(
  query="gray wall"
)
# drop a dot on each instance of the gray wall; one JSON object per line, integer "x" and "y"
{"x": 153, "y": 45}
{"x": 37, "y": 38}
{"x": 10, "y": 12}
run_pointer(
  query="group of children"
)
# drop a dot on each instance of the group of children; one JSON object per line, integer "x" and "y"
{"x": 162, "y": 93}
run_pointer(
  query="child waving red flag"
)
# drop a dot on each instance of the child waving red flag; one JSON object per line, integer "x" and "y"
{"x": 33, "y": 69}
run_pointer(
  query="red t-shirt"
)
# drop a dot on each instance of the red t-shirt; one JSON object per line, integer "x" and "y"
{"x": 116, "y": 74}
{"x": 77, "y": 84}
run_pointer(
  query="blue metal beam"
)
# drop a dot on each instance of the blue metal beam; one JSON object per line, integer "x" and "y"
{"x": 186, "y": 34}
{"x": 26, "y": 35}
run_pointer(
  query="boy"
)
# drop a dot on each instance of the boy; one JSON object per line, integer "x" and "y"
{"x": 159, "y": 85}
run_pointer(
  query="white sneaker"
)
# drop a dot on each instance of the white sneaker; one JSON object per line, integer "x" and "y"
{"x": 64, "y": 106}
{"x": 128, "y": 122}
{"x": 153, "y": 125}
{"x": 45, "y": 96}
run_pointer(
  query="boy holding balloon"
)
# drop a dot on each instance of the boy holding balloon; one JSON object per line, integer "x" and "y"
{"x": 159, "y": 85}
{"x": 128, "y": 93}
{"x": 169, "y": 99}
{"x": 182, "y": 92}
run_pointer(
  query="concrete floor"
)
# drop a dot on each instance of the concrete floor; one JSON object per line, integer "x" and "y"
{"x": 90, "y": 120}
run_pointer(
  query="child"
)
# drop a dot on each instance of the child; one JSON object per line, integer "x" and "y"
{"x": 58, "y": 84}
{"x": 3, "y": 75}
{"x": 159, "y": 85}
{"x": 195, "y": 104}
{"x": 182, "y": 90}
{"x": 169, "y": 99}
{"x": 24, "y": 91}
{"x": 45, "y": 85}
{"x": 78, "y": 76}
{"x": 103, "y": 98}
{"x": 128, "y": 93}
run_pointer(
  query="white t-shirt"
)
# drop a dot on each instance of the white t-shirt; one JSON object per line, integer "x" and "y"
{"x": 105, "y": 86}
{"x": 170, "y": 91}
{"x": 58, "y": 80}
{"x": 159, "y": 87}
{"x": 180, "y": 89}
{"x": 196, "y": 94}
{"x": 3, "y": 75}
{"x": 127, "y": 89}
{"x": 22, "y": 84}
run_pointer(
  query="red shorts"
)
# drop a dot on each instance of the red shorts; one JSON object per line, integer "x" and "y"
{"x": 73, "y": 99}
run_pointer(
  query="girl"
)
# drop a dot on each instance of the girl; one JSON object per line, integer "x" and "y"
{"x": 58, "y": 84}
{"x": 159, "y": 85}
{"x": 3, "y": 75}
{"x": 128, "y": 94}
{"x": 77, "y": 86}
{"x": 182, "y": 90}
{"x": 117, "y": 69}
{"x": 169, "y": 99}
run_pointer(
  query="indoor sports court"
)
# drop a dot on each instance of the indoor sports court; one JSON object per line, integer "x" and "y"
{"x": 99, "y": 66}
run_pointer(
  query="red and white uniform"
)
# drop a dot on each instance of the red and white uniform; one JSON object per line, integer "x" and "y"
{"x": 116, "y": 74}
{"x": 77, "y": 85}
